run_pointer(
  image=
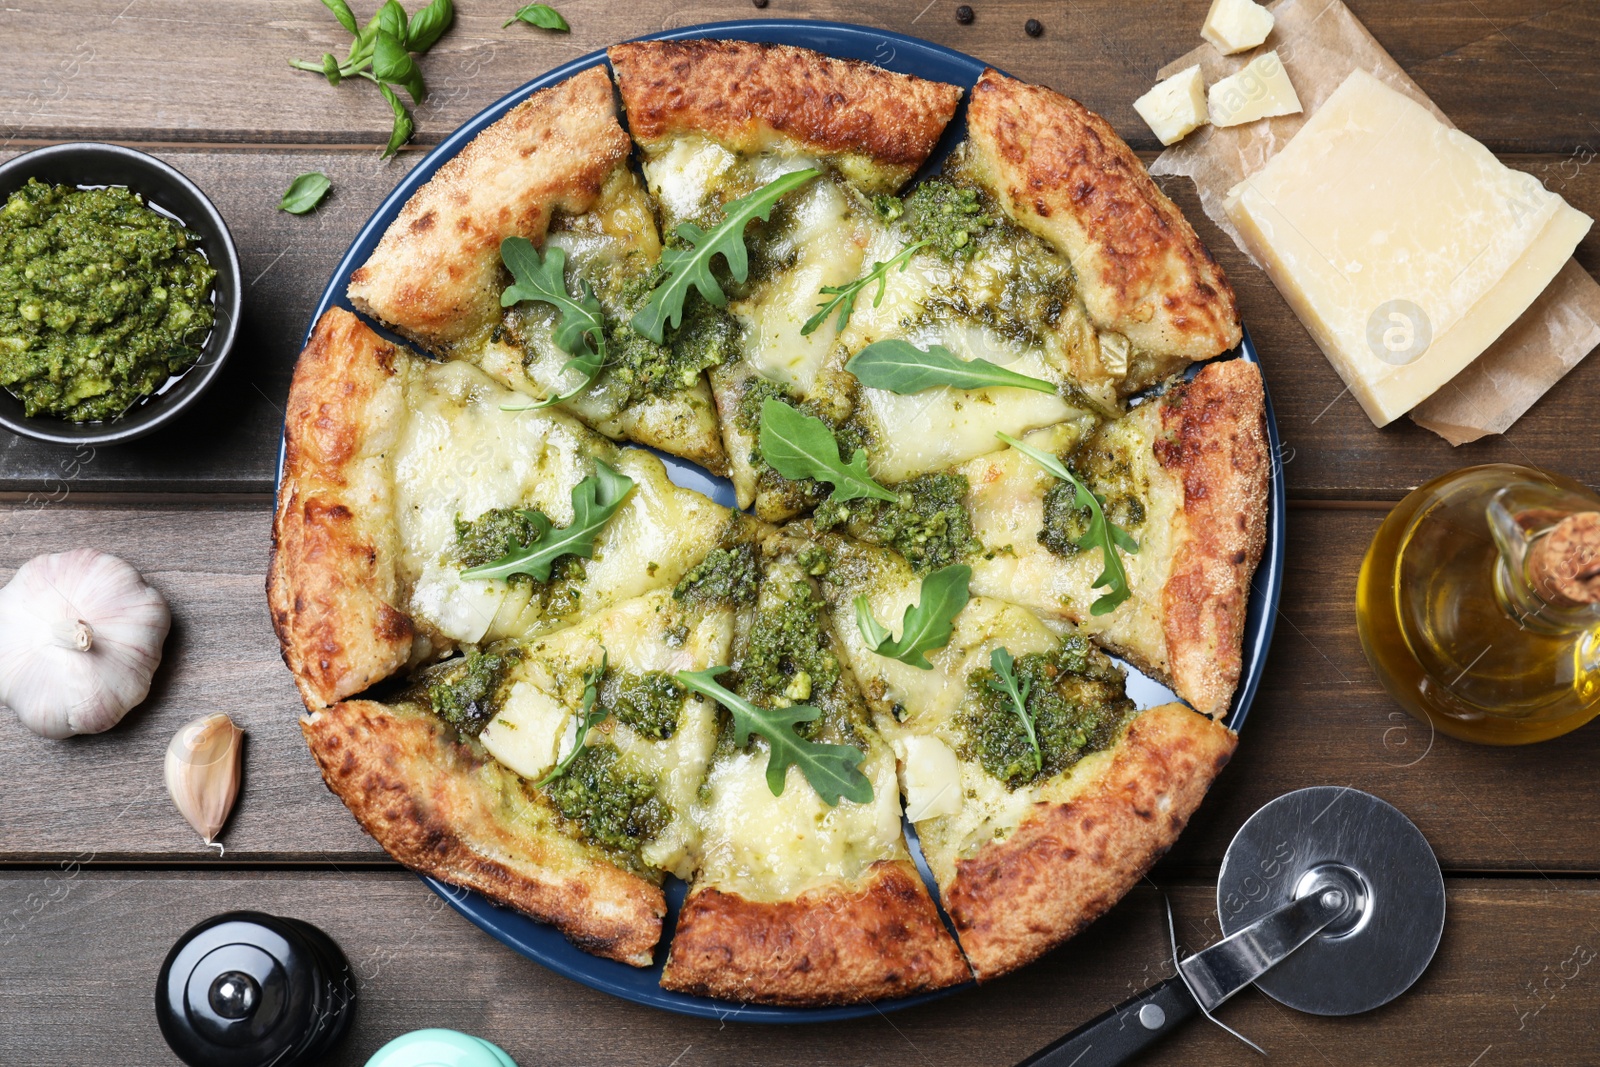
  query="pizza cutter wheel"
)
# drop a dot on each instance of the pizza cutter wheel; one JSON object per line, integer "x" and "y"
{"x": 1331, "y": 902}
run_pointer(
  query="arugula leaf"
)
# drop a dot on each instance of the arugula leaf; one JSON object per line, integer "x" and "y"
{"x": 691, "y": 267}
{"x": 342, "y": 12}
{"x": 901, "y": 367}
{"x": 832, "y": 770}
{"x": 580, "y": 332}
{"x": 926, "y": 625}
{"x": 1102, "y": 532}
{"x": 1004, "y": 667}
{"x": 541, "y": 15}
{"x": 589, "y": 717}
{"x": 429, "y": 24}
{"x": 305, "y": 193}
{"x": 594, "y": 501}
{"x": 844, "y": 296}
{"x": 801, "y": 446}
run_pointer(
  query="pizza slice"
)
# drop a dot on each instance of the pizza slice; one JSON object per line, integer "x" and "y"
{"x": 1185, "y": 475}
{"x": 716, "y": 120}
{"x": 1039, "y": 793}
{"x": 802, "y": 897}
{"x": 405, "y": 481}
{"x": 554, "y": 170}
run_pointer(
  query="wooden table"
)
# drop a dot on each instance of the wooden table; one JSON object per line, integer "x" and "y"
{"x": 99, "y": 874}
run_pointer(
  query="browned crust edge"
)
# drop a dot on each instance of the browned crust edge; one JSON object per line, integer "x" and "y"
{"x": 742, "y": 93}
{"x": 1068, "y": 863}
{"x": 879, "y": 936}
{"x": 436, "y": 274}
{"x": 331, "y": 582}
{"x": 1062, "y": 172}
{"x": 1213, "y": 440}
{"x": 416, "y": 791}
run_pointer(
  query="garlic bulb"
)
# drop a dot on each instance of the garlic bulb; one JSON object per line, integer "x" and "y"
{"x": 202, "y": 770}
{"x": 80, "y": 638}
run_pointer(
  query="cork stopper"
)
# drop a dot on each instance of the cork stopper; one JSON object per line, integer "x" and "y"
{"x": 1564, "y": 565}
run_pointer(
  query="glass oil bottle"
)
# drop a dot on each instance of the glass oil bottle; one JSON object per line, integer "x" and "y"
{"x": 1478, "y": 604}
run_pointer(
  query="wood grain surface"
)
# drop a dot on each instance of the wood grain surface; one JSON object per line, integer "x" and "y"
{"x": 99, "y": 874}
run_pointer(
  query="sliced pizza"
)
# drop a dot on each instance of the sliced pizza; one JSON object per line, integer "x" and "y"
{"x": 1039, "y": 793}
{"x": 716, "y": 120}
{"x": 805, "y": 891}
{"x": 555, "y": 172}
{"x": 409, "y": 489}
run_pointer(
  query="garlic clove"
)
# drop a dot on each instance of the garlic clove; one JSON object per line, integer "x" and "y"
{"x": 80, "y": 638}
{"x": 203, "y": 768}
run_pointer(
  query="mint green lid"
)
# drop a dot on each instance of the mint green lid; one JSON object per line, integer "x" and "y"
{"x": 440, "y": 1048}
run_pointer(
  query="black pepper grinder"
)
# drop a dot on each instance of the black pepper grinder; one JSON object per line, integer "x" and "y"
{"x": 245, "y": 989}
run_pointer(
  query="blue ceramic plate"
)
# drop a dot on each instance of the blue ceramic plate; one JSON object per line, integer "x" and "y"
{"x": 906, "y": 55}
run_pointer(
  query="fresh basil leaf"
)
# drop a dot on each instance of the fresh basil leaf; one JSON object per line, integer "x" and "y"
{"x": 392, "y": 20}
{"x": 691, "y": 267}
{"x": 402, "y": 122}
{"x": 799, "y": 446}
{"x": 927, "y": 624}
{"x": 901, "y": 367}
{"x": 393, "y": 64}
{"x": 589, "y": 717}
{"x": 342, "y": 12}
{"x": 844, "y": 296}
{"x": 832, "y": 770}
{"x": 429, "y": 24}
{"x": 1102, "y": 532}
{"x": 305, "y": 193}
{"x": 594, "y": 501}
{"x": 1016, "y": 693}
{"x": 541, "y": 15}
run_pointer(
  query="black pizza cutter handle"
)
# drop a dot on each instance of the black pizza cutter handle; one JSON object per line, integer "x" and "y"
{"x": 1123, "y": 1032}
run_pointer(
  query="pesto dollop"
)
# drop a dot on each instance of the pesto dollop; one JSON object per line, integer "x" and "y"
{"x": 650, "y": 702}
{"x": 102, "y": 299}
{"x": 464, "y": 692}
{"x": 928, "y": 524}
{"x": 944, "y": 213}
{"x": 726, "y": 576}
{"x": 1108, "y": 472}
{"x": 610, "y": 803}
{"x": 499, "y": 531}
{"x": 1076, "y": 700}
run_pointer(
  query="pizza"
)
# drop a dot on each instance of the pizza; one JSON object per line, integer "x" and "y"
{"x": 986, "y": 451}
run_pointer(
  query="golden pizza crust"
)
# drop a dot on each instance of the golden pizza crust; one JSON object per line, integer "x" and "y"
{"x": 877, "y": 126}
{"x": 436, "y": 275}
{"x": 439, "y": 808}
{"x": 844, "y": 942}
{"x": 331, "y": 584}
{"x": 1069, "y": 861}
{"x": 1214, "y": 441}
{"x": 1061, "y": 171}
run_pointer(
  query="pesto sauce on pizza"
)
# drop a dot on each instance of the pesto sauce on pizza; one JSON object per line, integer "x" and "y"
{"x": 1076, "y": 701}
{"x": 609, "y": 802}
{"x": 1106, "y": 464}
{"x": 464, "y": 692}
{"x": 928, "y": 524}
{"x": 727, "y": 576}
{"x": 650, "y": 701}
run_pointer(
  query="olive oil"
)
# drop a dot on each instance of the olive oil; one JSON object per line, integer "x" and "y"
{"x": 1477, "y": 607}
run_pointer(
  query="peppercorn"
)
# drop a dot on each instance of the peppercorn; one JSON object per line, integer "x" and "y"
{"x": 762, "y": 4}
{"x": 1033, "y": 27}
{"x": 964, "y": 15}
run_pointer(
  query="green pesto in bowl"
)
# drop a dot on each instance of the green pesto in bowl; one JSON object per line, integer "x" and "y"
{"x": 102, "y": 300}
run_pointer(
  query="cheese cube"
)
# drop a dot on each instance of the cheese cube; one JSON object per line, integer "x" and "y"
{"x": 1236, "y": 25}
{"x": 531, "y": 731}
{"x": 1258, "y": 90}
{"x": 932, "y": 779}
{"x": 1404, "y": 246}
{"x": 1175, "y": 107}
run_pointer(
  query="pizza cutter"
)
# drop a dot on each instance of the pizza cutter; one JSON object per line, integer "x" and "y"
{"x": 1330, "y": 901}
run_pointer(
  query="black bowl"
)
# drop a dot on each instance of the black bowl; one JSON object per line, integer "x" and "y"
{"x": 89, "y": 164}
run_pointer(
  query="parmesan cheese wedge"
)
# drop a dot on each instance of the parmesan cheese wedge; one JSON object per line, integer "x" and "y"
{"x": 1404, "y": 246}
